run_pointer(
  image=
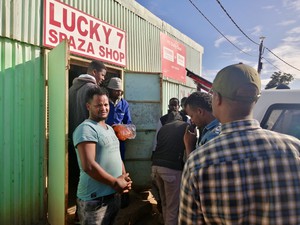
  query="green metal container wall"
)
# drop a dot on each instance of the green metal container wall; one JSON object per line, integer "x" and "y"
{"x": 172, "y": 89}
{"x": 22, "y": 135}
{"x": 23, "y": 20}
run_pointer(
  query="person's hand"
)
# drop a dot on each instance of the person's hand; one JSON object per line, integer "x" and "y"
{"x": 123, "y": 183}
{"x": 190, "y": 139}
{"x": 128, "y": 179}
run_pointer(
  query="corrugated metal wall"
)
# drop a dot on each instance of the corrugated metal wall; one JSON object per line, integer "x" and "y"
{"x": 142, "y": 29}
{"x": 22, "y": 140}
{"x": 22, "y": 21}
{"x": 22, "y": 101}
{"x": 172, "y": 89}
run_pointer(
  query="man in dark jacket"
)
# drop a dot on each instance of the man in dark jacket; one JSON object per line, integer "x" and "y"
{"x": 167, "y": 165}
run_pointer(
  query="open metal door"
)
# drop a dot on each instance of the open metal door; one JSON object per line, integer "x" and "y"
{"x": 58, "y": 65}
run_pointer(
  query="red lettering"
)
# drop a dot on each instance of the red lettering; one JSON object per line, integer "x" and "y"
{"x": 107, "y": 34}
{"x": 94, "y": 30}
{"x": 122, "y": 56}
{"x": 116, "y": 55}
{"x": 52, "y": 20}
{"x": 108, "y": 53}
{"x": 90, "y": 48}
{"x": 82, "y": 42}
{"x": 53, "y": 36}
{"x": 62, "y": 36}
{"x": 80, "y": 20}
{"x": 121, "y": 35}
{"x": 65, "y": 20}
{"x": 102, "y": 51}
{"x": 72, "y": 42}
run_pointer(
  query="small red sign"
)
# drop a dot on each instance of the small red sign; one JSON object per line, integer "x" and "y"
{"x": 173, "y": 58}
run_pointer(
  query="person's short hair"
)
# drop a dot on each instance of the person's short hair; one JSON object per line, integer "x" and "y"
{"x": 199, "y": 99}
{"x": 182, "y": 101}
{"x": 174, "y": 100}
{"x": 96, "y": 65}
{"x": 238, "y": 82}
{"x": 95, "y": 90}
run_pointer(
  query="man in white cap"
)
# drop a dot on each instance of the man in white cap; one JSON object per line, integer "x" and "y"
{"x": 246, "y": 175}
{"x": 119, "y": 112}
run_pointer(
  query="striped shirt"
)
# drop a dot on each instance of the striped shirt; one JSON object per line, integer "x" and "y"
{"x": 246, "y": 175}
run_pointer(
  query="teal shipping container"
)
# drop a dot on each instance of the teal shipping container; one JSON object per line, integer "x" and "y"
{"x": 37, "y": 66}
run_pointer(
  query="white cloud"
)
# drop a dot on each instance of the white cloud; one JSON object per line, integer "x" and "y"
{"x": 292, "y": 4}
{"x": 286, "y": 22}
{"x": 256, "y": 31}
{"x": 295, "y": 30}
{"x": 292, "y": 39}
{"x": 290, "y": 54}
{"x": 268, "y": 7}
{"x": 221, "y": 40}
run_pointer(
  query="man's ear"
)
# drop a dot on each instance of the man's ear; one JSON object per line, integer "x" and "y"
{"x": 200, "y": 110}
{"x": 87, "y": 106}
{"x": 94, "y": 72}
{"x": 219, "y": 98}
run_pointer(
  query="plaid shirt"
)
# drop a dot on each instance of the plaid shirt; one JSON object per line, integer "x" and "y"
{"x": 246, "y": 175}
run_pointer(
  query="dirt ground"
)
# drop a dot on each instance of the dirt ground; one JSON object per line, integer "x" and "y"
{"x": 142, "y": 210}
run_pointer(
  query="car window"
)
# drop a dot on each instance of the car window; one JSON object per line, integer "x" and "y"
{"x": 283, "y": 118}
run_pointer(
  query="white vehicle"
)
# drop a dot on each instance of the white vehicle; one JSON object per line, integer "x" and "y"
{"x": 279, "y": 110}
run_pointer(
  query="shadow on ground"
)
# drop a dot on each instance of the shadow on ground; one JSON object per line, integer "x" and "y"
{"x": 142, "y": 210}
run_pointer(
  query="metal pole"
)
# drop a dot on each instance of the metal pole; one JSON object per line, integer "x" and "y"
{"x": 259, "y": 66}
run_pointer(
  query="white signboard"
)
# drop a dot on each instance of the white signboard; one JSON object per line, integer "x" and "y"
{"x": 88, "y": 36}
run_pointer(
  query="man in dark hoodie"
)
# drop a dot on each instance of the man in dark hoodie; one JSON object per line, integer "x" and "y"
{"x": 78, "y": 112}
{"x": 77, "y": 93}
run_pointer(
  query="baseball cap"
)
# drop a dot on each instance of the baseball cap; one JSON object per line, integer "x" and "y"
{"x": 238, "y": 82}
{"x": 115, "y": 83}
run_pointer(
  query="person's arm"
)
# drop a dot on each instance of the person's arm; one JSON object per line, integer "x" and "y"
{"x": 87, "y": 154}
{"x": 126, "y": 177}
{"x": 158, "y": 126}
{"x": 127, "y": 116}
{"x": 190, "y": 139}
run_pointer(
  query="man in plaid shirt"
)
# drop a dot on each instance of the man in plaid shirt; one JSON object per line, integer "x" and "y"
{"x": 246, "y": 175}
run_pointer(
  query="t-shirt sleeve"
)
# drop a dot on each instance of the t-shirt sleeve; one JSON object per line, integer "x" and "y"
{"x": 84, "y": 133}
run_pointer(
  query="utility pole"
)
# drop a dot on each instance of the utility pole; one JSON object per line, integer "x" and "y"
{"x": 259, "y": 66}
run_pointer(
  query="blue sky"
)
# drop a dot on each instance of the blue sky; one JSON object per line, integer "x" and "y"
{"x": 277, "y": 20}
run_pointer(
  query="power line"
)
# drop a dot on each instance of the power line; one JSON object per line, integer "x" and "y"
{"x": 271, "y": 64}
{"x": 236, "y": 23}
{"x": 252, "y": 40}
{"x": 281, "y": 59}
{"x": 217, "y": 28}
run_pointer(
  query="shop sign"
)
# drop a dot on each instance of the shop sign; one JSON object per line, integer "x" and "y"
{"x": 173, "y": 58}
{"x": 87, "y": 35}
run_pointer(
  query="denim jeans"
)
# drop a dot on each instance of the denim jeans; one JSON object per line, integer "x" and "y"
{"x": 98, "y": 212}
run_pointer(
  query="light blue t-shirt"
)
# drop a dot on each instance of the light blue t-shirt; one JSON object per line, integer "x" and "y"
{"x": 107, "y": 156}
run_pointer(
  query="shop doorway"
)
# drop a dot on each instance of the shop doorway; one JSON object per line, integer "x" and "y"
{"x": 78, "y": 67}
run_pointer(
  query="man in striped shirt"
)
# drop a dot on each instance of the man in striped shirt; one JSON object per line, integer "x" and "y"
{"x": 246, "y": 175}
